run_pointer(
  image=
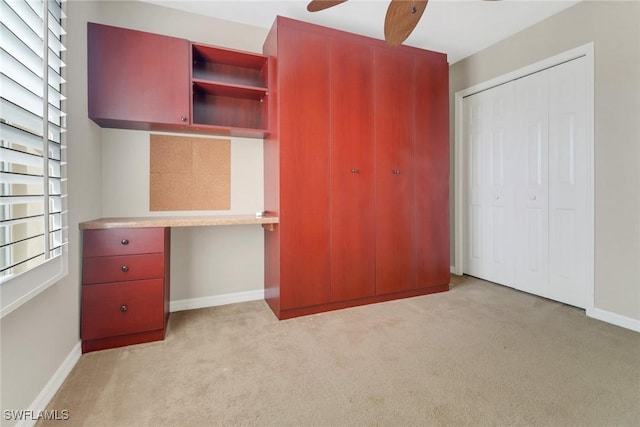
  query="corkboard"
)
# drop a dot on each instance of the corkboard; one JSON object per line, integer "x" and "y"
{"x": 189, "y": 173}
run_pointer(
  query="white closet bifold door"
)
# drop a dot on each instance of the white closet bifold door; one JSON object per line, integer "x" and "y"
{"x": 526, "y": 183}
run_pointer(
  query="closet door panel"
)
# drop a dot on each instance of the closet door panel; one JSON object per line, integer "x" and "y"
{"x": 531, "y": 176}
{"x": 303, "y": 63}
{"x": 431, "y": 160}
{"x": 491, "y": 148}
{"x": 352, "y": 171}
{"x": 394, "y": 132}
{"x": 500, "y": 149}
{"x": 567, "y": 183}
{"x": 474, "y": 107}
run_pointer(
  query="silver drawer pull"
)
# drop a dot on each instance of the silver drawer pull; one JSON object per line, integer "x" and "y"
{"x": 123, "y": 308}
{"x": 124, "y": 268}
{"x": 124, "y": 242}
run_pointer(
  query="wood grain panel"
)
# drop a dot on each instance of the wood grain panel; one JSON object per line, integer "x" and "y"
{"x": 122, "y": 241}
{"x": 124, "y": 267}
{"x": 394, "y": 133}
{"x": 146, "y": 82}
{"x": 103, "y": 314}
{"x": 304, "y": 169}
{"x": 432, "y": 171}
{"x": 352, "y": 171}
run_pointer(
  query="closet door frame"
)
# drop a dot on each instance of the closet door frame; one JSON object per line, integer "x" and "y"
{"x": 586, "y": 51}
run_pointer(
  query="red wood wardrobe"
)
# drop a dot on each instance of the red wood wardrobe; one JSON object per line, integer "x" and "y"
{"x": 357, "y": 170}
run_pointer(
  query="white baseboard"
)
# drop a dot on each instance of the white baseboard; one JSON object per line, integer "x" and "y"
{"x": 215, "y": 300}
{"x": 615, "y": 319}
{"x": 52, "y": 387}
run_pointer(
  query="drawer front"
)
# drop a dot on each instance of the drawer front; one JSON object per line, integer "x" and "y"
{"x": 122, "y": 241}
{"x": 121, "y": 268}
{"x": 112, "y": 309}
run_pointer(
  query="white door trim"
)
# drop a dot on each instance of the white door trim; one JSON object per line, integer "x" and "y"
{"x": 587, "y": 51}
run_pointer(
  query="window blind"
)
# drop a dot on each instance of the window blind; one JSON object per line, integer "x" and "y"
{"x": 32, "y": 153}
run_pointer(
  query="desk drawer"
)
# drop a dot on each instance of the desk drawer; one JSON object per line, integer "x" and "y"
{"x": 121, "y": 268}
{"x": 122, "y": 241}
{"x": 112, "y": 309}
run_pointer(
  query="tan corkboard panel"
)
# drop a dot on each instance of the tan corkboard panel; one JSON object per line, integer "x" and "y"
{"x": 189, "y": 173}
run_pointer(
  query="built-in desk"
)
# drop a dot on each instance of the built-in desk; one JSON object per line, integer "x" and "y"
{"x": 178, "y": 221}
{"x": 125, "y": 275}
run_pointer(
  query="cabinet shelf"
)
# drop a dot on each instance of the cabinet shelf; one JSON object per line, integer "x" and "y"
{"x": 229, "y": 66}
{"x": 229, "y": 91}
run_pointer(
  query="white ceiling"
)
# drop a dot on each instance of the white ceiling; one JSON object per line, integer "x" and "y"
{"x": 457, "y": 27}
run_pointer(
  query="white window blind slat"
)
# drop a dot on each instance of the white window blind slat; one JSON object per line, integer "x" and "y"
{"x": 10, "y": 137}
{"x": 55, "y": 62}
{"x": 29, "y": 13}
{"x": 32, "y": 38}
{"x": 16, "y": 71}
{"x": 20, "y": 51}
{"x": 23, "y": 161}
{"x": 18, "y": 179}
{"x": 20, "y": 118}
{"x": 20, "y": 96}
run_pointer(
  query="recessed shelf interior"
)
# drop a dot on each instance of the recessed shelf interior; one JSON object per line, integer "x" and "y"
{"x": 229, "y": 66}
{"x": 229, "y": 88}
{"x": 219, "y": 110}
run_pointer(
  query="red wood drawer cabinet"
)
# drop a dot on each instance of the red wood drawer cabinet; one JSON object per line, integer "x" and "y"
{"x": 125, "y": 286}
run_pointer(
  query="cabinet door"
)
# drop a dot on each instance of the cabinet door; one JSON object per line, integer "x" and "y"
{"x": 303, "y": 73}
{"x": 352, "y": 171}
{"x": 394, "y": 132}
{"x": 431, "y": 161}
{"x": 137, "y": 79}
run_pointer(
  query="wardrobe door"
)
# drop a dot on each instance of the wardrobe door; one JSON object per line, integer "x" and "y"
{"x": 431, "y": 161}
{"x": 352, "y": 171}
{"x": 303, "y": 73}
{"x": 394, "y": 132}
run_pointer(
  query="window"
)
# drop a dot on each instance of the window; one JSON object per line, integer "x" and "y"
{"x": 33, "y": 232}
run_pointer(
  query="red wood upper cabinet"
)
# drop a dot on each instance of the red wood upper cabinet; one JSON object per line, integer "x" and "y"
{"x": 137, "y": 80}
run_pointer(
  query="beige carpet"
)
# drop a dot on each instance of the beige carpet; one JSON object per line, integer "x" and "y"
{"x": 480, "y": 354}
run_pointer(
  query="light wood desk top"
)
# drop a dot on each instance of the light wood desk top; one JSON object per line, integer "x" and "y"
{"x": 178, "y": 221}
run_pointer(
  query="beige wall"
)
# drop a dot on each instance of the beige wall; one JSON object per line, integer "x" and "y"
{"x": 614, "y": 27}
{"x": 205, "y": 261}
{"x": 38, "y": 336}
